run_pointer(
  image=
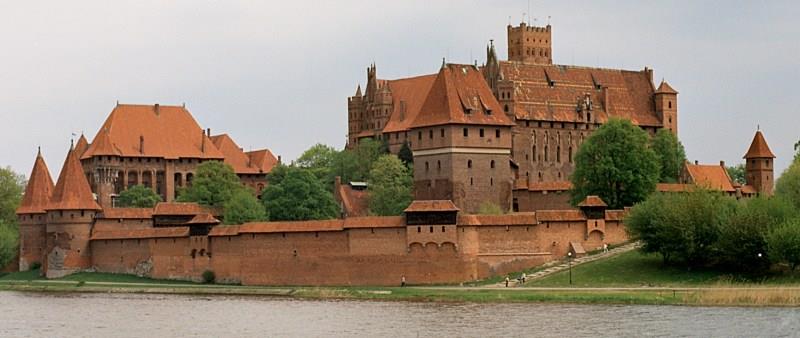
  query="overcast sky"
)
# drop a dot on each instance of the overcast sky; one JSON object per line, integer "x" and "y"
{"x": 277, "y": 74}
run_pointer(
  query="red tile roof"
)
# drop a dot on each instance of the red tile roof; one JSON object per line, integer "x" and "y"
{"x": 178, "y": 209}
{"x": 354, "y": 202}
{"x": 675, "y": 187}
{"x": 592, "y": 201}
{"x": 560, "y": 215}
{"x": 243, "y": 163}
{"x": 72, "y": 192}
{"x": 262, "y": 159}
{"x": 457, "y": 90}
{"x": 168, "y": 232}
{"x": 298, "y": 226}
{"x": 102, "y": 146}
{"x": 519, "y": 218}
{"x": 39, "y": 189}
{"x": 131, "y": 213}
{"x": 228, "y": 230}
{"x": 759, "y": 147}
{"x": 408, "y": 95}
{"x": 630, "y": 93}
{"x": 749, "y": 190}
{"x": 204, "y": 218}
{"x": 81, "y": 146}
{"x": 431, "y": 205}
{"x": 615, "y": 215}
{"x": 374, "y": 222}
{"x": 665, "y": 88}
{"x": 168, "y": 132}
{"x": 713, "y": 177}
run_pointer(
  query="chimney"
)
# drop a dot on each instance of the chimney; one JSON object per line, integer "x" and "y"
{"x": 279, "y": 159}
{"x": 606, "y": 99}
{"x": 722, "y": 164}
{"x": 141, "y": 144}
{"x": 649, "y": 74}
{"x": 208, "y": 132}
{"x": 696, "y": 162}
{"x": 155, "y": 108}
{"x": 202, "y": 141}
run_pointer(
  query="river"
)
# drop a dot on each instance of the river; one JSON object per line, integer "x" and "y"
{"x": 144, "y": 315}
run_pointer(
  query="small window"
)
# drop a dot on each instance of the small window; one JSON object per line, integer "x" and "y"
{"x": 491, "y": 181}
{"x": 466, "y": 132}
{"x": 443, "y": 228}
{"x": 419, "y": 135}
{"x": 442, "y": 132}
{"x": 480, "y": 132}
{"x": 431, "y": 229}
{"x": 669, "y": 104}
{"x": 491, "y": 164}
{"x": 505, "y": 108}
{"x": 439, "y": 165}
{"x": 427, "y": 166}
{"x": 469, "y": 163}
{"x": 497, "y": 133}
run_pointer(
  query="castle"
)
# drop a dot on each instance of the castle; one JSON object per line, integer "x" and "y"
{"x": 504, "y": 133}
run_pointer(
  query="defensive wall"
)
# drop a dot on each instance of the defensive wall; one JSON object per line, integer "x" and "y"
{"x": 352, "y": 251}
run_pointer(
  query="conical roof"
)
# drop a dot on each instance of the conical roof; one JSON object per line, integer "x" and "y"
{"x": 759, "y": 148}
{"x": 665, "y": 88}
{"x": 101, "y": 146}
{"x": 40, "y": 186}
{"x": 81, "y": 146}
{"x": 72, "y": 192}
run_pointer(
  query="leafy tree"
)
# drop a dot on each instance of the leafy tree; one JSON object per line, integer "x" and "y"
{"x": 681, "y": 227}
{"x": 389, "y": 186}
{"x": 243, "y": 207}
{"x": 743, "y": 239}
{"x": 294, "y": 194}
{"x": 788, "y": 185}
{"x": 12, "y": 185}
{"x": 138, "y": 196}
{"x": 615, "y": 163}
{"x": 214, "y": 183}
{"x": 737, "y": 173}
{"x": 670, "y": 154}
{"x": 489, "y": 208}
{"x": 783, "y": 243}
{"x": 355, "y": 164}
{"x": 8, "y": 243}
{"x": 320, "y": 160}
{"x": 406, "y": 155}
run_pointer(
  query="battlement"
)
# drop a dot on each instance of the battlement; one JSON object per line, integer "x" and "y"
{"x": 530, "y": 44}
{"x": 524, "y": 27}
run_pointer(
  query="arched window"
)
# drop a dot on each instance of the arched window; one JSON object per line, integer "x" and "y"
{"x": 439, "y": 165}
{"x": 570, "y": 154}
{"x": 469, "y": 163}
{"x": 427, "y": 166}
{"x": 545, "y": 153}
{"x": 534, "y": 153}
{"x": 669, "y": 104}
{"x": 505, "y": 108}
{"x": 491, "y": 164}
{"x": 558, "y": 154}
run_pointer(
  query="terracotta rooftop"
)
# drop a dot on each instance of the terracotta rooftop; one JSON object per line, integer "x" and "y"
{"x": 72, "y": 191}
{"x": 675, "y": 187}
{"x": 243, "y": 163}
{"x": 560, "y": 215}
{"x": 228, "y": 230}
{"x": 178, "y": 209}
{"x": 749, "y": 190}
{"x": 665, "y": 88}
{"x": 408, "y": 95}
{"x": 81, "y": 146}
{"x": 354, "y": 202}
{"x": 759, "y": 147}
{"x": 615, "y": 215}
{"x": 550, "y": 186}
{"x": 204, "y": 218}
{"x": 39, "y": 189}
{"x": 168, "y": 132}
{"x": 592, "y": 201}
{"x": 299, "y": 226}
{"x": 168, "y": 232}
{"x": 518, "y": 218}
{"x": 460, "y": 95}
{"x": 713, "y": 176}
{"x": 130, "y": 213}
{"x": 547, "y": 92}
{"x": 431, "y": 206}
{"x": 262, "y": 159}
{"x": 374, "y": 222}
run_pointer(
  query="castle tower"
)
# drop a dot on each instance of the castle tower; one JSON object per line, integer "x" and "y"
{"x": 70, "y": 216}
{"x": 666, "y": 100}
{"x": 354, "y": 116}
{"x": 105, "y": 168}
{"x": 759, "y": 167}
{"x": 530, "y": 44}
{"x": 81, "y": 146}
{"x": 461, "y": 141}
{"x": 31, "y": 215}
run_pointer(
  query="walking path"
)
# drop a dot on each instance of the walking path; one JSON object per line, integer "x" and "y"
{"x": 558, "y": 266}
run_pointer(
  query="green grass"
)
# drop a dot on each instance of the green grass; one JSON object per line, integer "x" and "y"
{"x": 635, "y": 269}
{"x": 24, "y": 275}
{"x": 91, "y": 277}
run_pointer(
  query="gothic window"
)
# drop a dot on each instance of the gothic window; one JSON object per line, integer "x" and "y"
{"x": 570, "y": 154}
{"x": 442, "y": 132}
{"x": 497, "y": 133}
{"x": 430, "y": 134}
{"x": 466, "y": 132}
{"x": 505, "y": 108}
{"x": 439, "y": 165}
{"x": 491, "y": 164}
{"x": 480, "y": 132}
{"x": 469, "y": 164}
{"x": 534, "y": 153}
{"x": 419, "y": 135}
{"x": 427, "y": 166}
{"x": 558, "y": 154}
{"x": 669, "y": 104}
{"x": 545, "y": 153}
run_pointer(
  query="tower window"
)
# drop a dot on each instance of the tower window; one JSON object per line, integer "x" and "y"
{"x": 491, "y": 164}
{"x": 497, "y": 133}
{"x": 427, "y": 166}
{"x": 466, "y": 132}
{"x": 669, "y": 104}
{"x": 442, "y": 132}
{"x": 480, "y": 131}
{"x": 505, "y": 108}
{"x": 430, "y": 134}
{"x": 419, "y": 135}
{"x": 469, "y": 164}
{"x": 439, "y": 165}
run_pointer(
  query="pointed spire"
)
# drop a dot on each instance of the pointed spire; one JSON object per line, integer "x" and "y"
{"x": 358, "y": 90}
{"x": 38, "y": 190}
{"x": 72, "y": 192}
{"x": 101, "y": 146}
{"x": 81, "y": 146}
{"x": 759, "y": 147}
{"x": 665, "y": 88}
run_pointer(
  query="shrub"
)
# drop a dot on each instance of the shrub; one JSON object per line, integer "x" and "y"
{"x": 783, "y": 243}
{"x": 209, "y": 277}
{"x": 489, "y": 208}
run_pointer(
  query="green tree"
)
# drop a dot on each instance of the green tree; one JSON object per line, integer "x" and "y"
{"x": 319, "y": 160}
{"x": 9, "y": 238}
{"x": 294, "y": 194}
{"x": 12, "y": 185}
{"x": 616, "y": 163}
{"x": 681, "y": 227}
{"x": 138, "y": 196}
{"x": 389, "y": 186}
{"x": 783, "y": 243}
{"x": 670, "y": 154}
{"x": 214, "y": 183}
{"x": 406, "y": 155}
{"x": 737, "y": 173}
{"x": 243, "y": 207}
{"x": 355, "y": 164}
{"x": 788, "y": 185}
{"x": 743, "y": 239}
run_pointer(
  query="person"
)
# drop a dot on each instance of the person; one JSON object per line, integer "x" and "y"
{"x": 605, "y": 247}
{"x": 522, "y": 278}
{"x": 506, "y": 281}
{"x": 402, "y": 281}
